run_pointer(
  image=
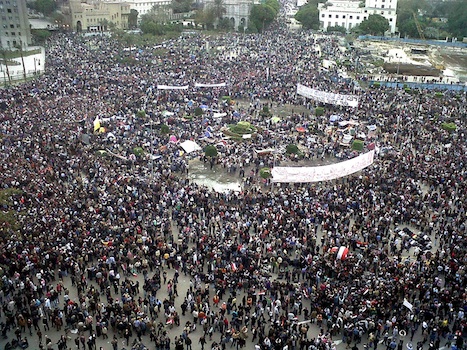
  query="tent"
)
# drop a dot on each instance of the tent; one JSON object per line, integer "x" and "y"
{"x": 173, "y": 139}
{"x": 190, "y": 146}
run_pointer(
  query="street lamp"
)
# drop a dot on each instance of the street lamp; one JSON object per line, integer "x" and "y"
{"x": 37, "y": 62}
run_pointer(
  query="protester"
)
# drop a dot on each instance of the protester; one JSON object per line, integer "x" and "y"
{"x": 95, "y": 223}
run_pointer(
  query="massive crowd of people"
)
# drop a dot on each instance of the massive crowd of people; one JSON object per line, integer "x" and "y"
{"x": 260, "y": 263}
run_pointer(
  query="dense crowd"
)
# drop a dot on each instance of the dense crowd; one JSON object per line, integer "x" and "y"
{"x": 91, "y": 222}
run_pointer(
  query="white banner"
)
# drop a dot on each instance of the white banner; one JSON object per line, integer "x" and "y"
{"x": 168, "y": 87}
{"x": 327, "y": 97}
{"x": 322, "y": 173}
{"x": 209, "y": 85}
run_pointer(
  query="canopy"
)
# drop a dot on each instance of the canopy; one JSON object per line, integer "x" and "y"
{"x": 190, "y": 146}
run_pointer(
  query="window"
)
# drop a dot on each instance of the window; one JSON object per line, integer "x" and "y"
{"x": 322, "y": 15}
{"x": 337, "y": 16}
{"x": 330, "y": 16}
{"x": 350, "y": 17}
{"x": 13, "y": 33}
{"x": 390, "y": 19}
{"x": 366, "y": 11}
{"x": 12, "y": 25}
{"x": 343, "y": 16}
{"x": 8, "y": 10}
{"x": 358, "y": 17}
{"x": 382, "y": 12}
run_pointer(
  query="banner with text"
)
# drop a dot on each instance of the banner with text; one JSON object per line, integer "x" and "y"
{"x": 169, "y": 87}
{"x": 322, "y": 173}
{"x": 209, "y": 85}
{"x": 327, "y": 97}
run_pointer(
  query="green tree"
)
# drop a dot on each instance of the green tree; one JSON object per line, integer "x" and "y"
{"x": 40, "y": 35}
{"x": 133, "y": 19}
{"x": 374, "y": 25}
{"x": 406, "y": 24}
{"x": 274, "y": 4}
{"x": 219, "y": 9}
{"x": 457, "y": 19}
{"x": 225, "y": 24}
{"x": 261, "y": 16}
{"x": 210, "y": 151}
{"x": 181, "y": 6}
{"x": 338, "y": 29}
{"x": 308, "y": 16}
{"x": 205, "y": 18}
{"x": 45, "y": 7}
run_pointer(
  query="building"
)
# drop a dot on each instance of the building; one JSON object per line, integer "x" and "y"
{"x": 14, "y": 24}
{"x": 145, "y": 6}
{"x": 96, "y": 16}
{"x": 237, "y": 11}
{"x": 350, "y": 13}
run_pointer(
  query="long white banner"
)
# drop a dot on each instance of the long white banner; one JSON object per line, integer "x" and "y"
{"x": 327, "y": 97}
{"x": 322, "y": 173}
{"x": 209, "y": 85}
{"x": 169, "y": 87}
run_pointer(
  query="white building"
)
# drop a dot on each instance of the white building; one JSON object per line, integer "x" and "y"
{"x": 144, "y": 6}
{"x": 348, "y": 13}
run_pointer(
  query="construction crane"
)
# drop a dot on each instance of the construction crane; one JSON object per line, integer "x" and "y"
{"x": 417, "y": 24}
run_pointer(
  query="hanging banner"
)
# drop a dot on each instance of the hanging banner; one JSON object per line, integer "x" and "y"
{"x": 322, "y": 173}
{"x": 209, "y": 85}
{"x": 168, "y": 87}
{"x": 327, "y": 97}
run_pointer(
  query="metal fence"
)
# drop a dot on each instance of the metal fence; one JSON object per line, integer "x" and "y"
{"x": 413, "y": 85}
{"x": 414, "y": 41}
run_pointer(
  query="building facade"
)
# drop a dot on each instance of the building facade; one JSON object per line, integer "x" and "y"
{"x": 350, "y": 13}
{"x": 98, "y": 16}
{"x": 145, "y": 6}
{"x": 14, "y": 24}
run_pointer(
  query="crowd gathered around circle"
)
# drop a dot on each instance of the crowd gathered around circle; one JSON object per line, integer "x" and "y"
{"x": 261, "y": 262}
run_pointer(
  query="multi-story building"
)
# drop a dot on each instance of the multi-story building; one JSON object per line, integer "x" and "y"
{"x": 14, "y": 24}
{"x": 145, "y": 6}
{"x": 350, "y": 13}
{"x": 98, "y": 16}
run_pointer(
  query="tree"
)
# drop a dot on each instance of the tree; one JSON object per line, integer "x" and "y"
{"x": 210, "y": 151}
{"x": 338, "y": 29}
{"x": 225, "y": 24}
{"x": 457, "y": 19}
{"x": 274, "y": 4}
{"x": 19, "y": 47}
{"x": 219, "y": 9}
{"x": 261, "y": 16}
{"x": 374, "y": 25}
{"x": 46, "y": 7}
{"x": 5, "y": 62}
{"x": 133, "y": 19}
{"x": 181, "y": 6}
{"x": 205, "y": 18}
{"x": 40, "y": 35}
{"x": 308, "y": 16}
